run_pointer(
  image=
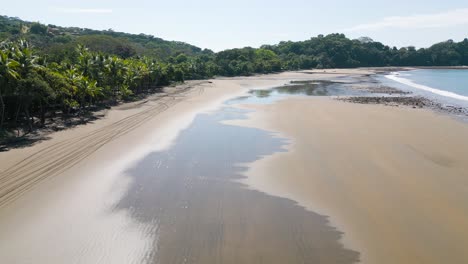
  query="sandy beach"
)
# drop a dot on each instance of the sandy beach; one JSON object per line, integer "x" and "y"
{"x": 393, "y": 179}
{"x": 68, "y": 184}
{"x": 332, "y": 182}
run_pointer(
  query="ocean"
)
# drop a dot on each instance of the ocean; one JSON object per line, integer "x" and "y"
{"x": 446, "y": 86}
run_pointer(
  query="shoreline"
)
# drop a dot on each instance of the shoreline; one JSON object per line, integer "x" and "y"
{"x": 329, "y": 138}
{"x": 41, "y": 134}
{"x": 394, "y": 96}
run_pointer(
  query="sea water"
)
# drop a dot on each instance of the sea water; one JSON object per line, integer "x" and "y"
{"x": 447, "y": 86}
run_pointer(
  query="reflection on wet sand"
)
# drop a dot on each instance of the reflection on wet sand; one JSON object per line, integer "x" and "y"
{"x": 310, "y": 88}
{"x": 301, "y": 88}
{"x": 202, "y": 214}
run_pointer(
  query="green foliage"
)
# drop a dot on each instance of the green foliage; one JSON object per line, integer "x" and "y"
{"x": 51, "y": 39}
{"x": 36, "y": 87}
{"x": 335, "y": 50}
{"x": 38, "y": 28}
{"x": 125, "y": 92}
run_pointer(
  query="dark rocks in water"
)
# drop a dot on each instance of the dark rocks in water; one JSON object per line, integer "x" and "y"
{"x": 372, "y": 88}
{"x": 410, "y": 101}
{"x": 388, "y": 100}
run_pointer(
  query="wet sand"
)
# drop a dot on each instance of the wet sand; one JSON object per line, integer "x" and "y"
{"x": 393, "y": 179}
{"x": 201, "y": 214}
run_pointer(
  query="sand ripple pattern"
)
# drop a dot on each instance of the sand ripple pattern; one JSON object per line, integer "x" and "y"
{"x": 57, "y": 158}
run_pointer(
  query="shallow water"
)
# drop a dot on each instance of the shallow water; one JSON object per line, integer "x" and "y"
{"x": 447, "y": 86}
{"x": 297, "y": 88}
{"x": 452, "y": 80}
{"x": 201, "y": 213}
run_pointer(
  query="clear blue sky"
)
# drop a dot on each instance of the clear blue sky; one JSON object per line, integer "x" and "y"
{"x": 227, "y": 24}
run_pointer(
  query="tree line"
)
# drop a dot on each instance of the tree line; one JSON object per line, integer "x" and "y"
{"x": 47, "y": 71}
{"x": 338, "y": 51}
{"x": 31, "y": 87}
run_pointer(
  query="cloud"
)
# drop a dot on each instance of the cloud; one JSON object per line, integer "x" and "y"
{"x": 451, "y": 18}
{"x": 83, "y": 10}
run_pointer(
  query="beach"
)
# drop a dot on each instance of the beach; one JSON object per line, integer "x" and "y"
{"x": 317, "y": 180}
{"x": 76, "y": 201}
{"x": 393, "y": 179}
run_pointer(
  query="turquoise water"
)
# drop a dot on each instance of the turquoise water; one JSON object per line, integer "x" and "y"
{"x": 447, "y": 86}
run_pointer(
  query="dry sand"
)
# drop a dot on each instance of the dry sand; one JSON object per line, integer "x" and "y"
{"x": 395, "y": 180}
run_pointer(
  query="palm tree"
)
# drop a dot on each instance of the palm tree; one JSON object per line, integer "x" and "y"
{"x": 98, "y": 63}
{"x": 25, "y": 57}
{"x": 85, "y": 61}
{"x": 88, "y": 87}
{"x": 131, "y": 77}
{"x": 30, "y": 81}
{"x": 114, "y": 70}
{"x": 8, "y": 71}
{"x": 143, "y": 74}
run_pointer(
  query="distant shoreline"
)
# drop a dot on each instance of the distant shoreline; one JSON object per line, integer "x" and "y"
{"x": 443, "y": 67}
{"x": 42, "y": 133}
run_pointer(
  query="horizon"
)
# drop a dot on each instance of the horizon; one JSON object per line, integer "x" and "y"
{"x": 417, "y": 25}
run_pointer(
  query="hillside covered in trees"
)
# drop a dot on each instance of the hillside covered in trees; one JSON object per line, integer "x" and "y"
{"x": 48, "y": 70}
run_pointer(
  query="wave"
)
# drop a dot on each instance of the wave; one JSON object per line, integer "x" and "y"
{"x": 396, "y": 77}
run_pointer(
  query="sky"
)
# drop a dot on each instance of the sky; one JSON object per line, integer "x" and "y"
{"x": 220, "y": 25}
